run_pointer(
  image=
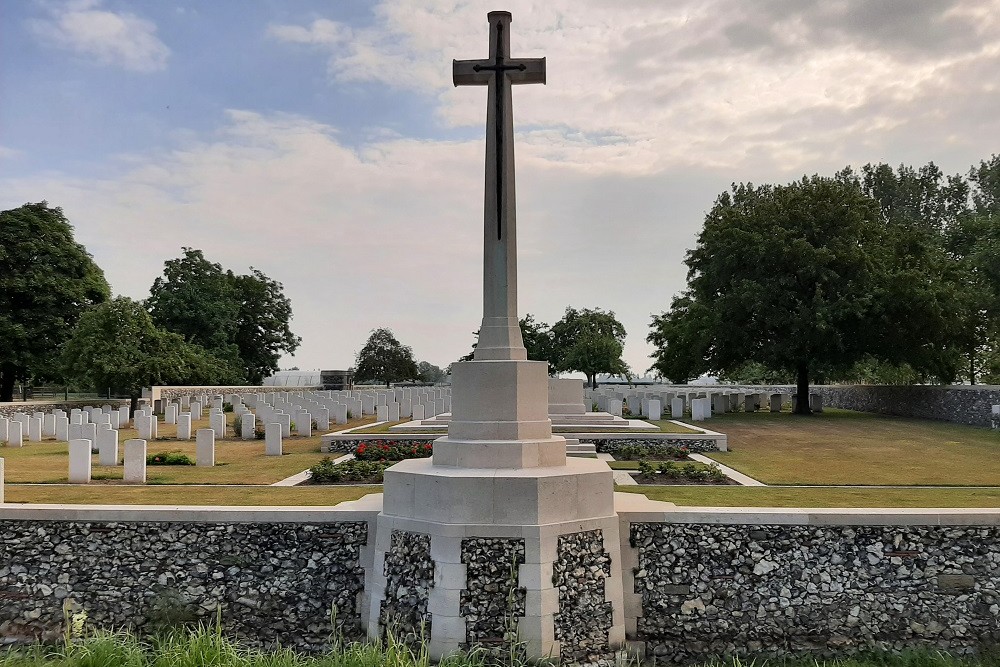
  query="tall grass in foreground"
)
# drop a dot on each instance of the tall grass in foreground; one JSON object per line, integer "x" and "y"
{"x": 208, "y": 647}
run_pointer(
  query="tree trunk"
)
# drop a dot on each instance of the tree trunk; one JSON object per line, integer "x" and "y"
{"x": 592, "y": 380}
{"x": 802, "y": 390}
{"x": 6, "y": 385}
{"x": 133, "y": 404}
{"x": 972, "y": 366}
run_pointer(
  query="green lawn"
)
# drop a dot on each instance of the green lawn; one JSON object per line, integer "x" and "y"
{"x": 186, "y": 495}
{"x": 760, "y": 496}
{"x": 844, "y": 447}
{"x": 236, "y": 461}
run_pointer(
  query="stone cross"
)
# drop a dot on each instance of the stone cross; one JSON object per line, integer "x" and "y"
{"x": 500, "y": 333}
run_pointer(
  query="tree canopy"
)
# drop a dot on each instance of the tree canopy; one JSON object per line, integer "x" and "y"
{"x": 385, "y": 359}
{"x": 881, "y": 273}
{"x": 116, "y": 346}
{"x": 47, "y": 282}
{"x": 241, "y": 319}
{"x": 589, "y": 341}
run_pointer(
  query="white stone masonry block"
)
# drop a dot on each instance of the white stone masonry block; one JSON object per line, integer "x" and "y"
{"x": 135, "y": 461}
{"x": 79, "y": 461}
{"x": 272, "y": 439}
{"x": 107, "y": 447}
{"x": 205, "y": 447}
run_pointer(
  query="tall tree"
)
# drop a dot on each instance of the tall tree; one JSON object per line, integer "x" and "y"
{"x": 47, "y": 281}
{"x": 242, "y": 319}
{"x": 590, "y": 341}
{"x": 786, "y": 276}
{"x": 385, "y": 359}
{"x": 263, "y": 330}
{"x": 428, "y": 372}
{"x": 116, "y": 346}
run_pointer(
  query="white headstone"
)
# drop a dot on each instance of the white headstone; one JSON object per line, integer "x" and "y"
{"x": 107, "y": 447}
{"x": 135, "y": 461}
{"x": 79, "y": 461}
{"x": 322, "y": 419}
{"x": 776, "y": 400}
{"x": 4, "y": 422}
{"x": 49, "y": 425}
{"x": 184, "y": 426}
{"x": 417, "y": 411}
{"x": 655, "y": 409}
{"x": 1, "y": 481}
{"x": 393, "y": 413}
{"x": 677, "y": 408}
{"x": 205, "y": 447}
{"x": 381, "y": 413}
{"x": 15, "y": 434}
{"x": 615, "y": 407}
{"x": 170, "y": 414}
{"x": 303, "y": 424}
{"x": 272, "y": 439}
{"x": 816, "y": 402}
{"x": 35, "y": 429}
{"x": 248, "y": 424}
{"x": 286, "y": 424}
{"x": 217, "y": 422}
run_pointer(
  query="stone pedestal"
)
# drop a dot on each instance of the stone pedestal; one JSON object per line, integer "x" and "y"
{"x": 500, "y": 489}
{"x": 566, "y": 397}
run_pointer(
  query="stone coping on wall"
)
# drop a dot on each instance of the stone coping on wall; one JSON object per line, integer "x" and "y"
{"x": 363, "y": 509}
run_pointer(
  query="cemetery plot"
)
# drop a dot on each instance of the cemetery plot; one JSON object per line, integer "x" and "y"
{"x": 840, "y": 447}
{"x": 237, "y": 461}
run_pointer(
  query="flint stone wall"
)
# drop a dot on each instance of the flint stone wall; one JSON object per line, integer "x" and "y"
{"x": 10, "y": 409}
{"x": 167, "y": 393}
{"x": 774, "y": 590}
{"x": 276, "y": 583}
{"x": 612, "y": 445}
{"x": 961, "y": 404}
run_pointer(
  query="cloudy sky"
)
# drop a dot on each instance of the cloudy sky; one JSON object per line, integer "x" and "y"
{"x": 323, "y": 143}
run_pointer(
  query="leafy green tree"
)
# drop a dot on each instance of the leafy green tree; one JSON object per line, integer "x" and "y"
{"x": 263, "y": 333}
{"x": 590, "y": 341}
{"x": 385, "y": 359}
{"x": 47, "y": 281}
{"x": 242, "y": 319}
{"x": 117, "y": 346}
{"x": 785, "y": 276}
{"x": 428, "y": 372}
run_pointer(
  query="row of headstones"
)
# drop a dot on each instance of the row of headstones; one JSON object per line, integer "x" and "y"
{"x": 700, "y": 405}
{"x": 995, "y": 418}
{"x": 22, "y": 427}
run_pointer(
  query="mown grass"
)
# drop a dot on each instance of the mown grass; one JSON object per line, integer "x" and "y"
{"x": 762, "y": 496}
{"x": 186, "y": 495}
{"x": 845, "y": 447}
{"x": 237, "y": 461}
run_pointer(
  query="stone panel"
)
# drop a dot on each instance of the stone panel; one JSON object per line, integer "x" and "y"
{"x": 584, "y": 619}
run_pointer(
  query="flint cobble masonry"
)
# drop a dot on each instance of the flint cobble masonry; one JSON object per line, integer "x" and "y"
{"x": 275, "y": 583}
{"x": 584, "y": 619}
{"x": 658, "y": 445}
{"x": 409, "y": 576}
{"x": 712, "y": 590}
{"x": 493, "y": 601}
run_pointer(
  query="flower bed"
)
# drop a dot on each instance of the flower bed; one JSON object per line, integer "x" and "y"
{"x": 668, "y": 472}
{"x": 391, "y": 450}
{"x": 348, "y": 472}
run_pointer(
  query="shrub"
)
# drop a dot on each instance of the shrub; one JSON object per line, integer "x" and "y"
{"x": 227, "y": 407}
{"x": 328, "y": 472}
{"x": 169, "y": 459}
{"x": 259, "y": 433}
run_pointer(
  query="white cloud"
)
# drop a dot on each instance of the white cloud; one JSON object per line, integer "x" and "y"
{"x": 110, "y": 38}
{"x": 320, "y": 31}
{"x": 9, "y": 153}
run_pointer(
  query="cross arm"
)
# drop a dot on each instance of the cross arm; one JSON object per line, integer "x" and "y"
{"x": 533, "y": 71}
{"x": 465, "y": 74}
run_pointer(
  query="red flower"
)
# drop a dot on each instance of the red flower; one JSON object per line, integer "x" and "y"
{"x": 362, "y": 448}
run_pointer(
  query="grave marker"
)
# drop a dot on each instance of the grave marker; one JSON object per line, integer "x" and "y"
{"x": 135, "y": 461}
{"x": 205, "y": 448}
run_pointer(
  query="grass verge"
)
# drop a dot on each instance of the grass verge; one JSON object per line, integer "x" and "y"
{"x": 186, "y": 495}
{"x": 759, "y": 496}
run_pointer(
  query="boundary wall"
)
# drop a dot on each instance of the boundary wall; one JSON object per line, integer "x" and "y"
{"x": 698, "y": 582}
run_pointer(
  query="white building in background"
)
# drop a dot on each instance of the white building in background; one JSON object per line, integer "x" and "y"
{"x": 293, "y": 379}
